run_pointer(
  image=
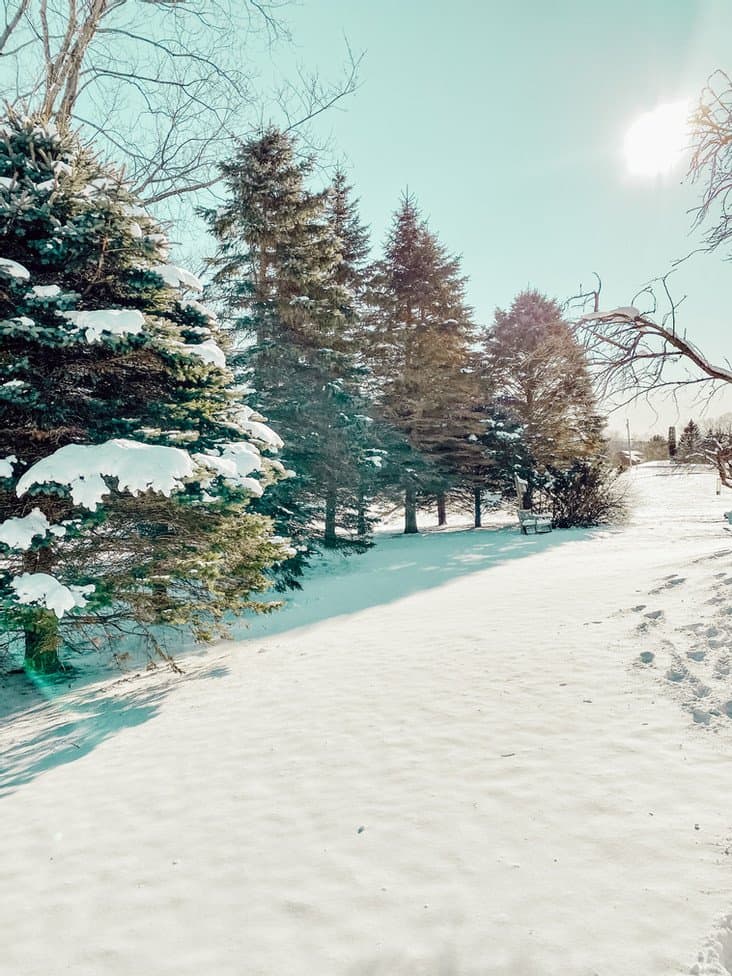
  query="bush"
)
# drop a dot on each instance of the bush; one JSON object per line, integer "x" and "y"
{"x": 587, "y": 493}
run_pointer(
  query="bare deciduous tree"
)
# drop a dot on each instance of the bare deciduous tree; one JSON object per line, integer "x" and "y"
{"x": 163, "y": 85}
{"x": 642, "y": 348}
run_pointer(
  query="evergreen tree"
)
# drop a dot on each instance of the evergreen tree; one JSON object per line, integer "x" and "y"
{"x": 420, "y": 351}
{"x": 126, "y": 459}
{"x": 288, "y": 270}
{"x": 691, "y": 446}
{"x": 542, "y": 382}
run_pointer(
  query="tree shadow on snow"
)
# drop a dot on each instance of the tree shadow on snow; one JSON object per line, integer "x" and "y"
{"x": 54, "y": 723}
{"x": 399, "y": 566}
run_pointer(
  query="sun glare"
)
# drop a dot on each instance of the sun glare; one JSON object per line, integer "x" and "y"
{"x": 655, "y": 142}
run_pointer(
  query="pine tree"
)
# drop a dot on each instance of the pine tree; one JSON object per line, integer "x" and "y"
{"x": 420, "y": 337}
{"x": 126, "y": 458}
{"x": 691, "y": 447}
{"x": 542, "y": 382}
{"x": 287, "y": 267}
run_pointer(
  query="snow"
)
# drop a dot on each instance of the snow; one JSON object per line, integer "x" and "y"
{"x": 198, "y": 307}
{"x": 178, "y": 277}
{"x": 208, "y": 351}
{"x": 114, "y": 321}
{"x": 445, "y": 756}
{"x": 137, "y": 468}
{"x": 47, "y": 591}
{"x": 235, "y": 462}
{"x": 14, "y": 269}
{"x": 261, "y": 432}
{"x": 6, "y": 466}
{"x": 624, "y": 311}
{"x": 18, "y": 533}
{"x": 46, "y": 291}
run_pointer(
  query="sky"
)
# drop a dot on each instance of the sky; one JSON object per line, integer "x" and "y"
{"x": 507, "y": 122}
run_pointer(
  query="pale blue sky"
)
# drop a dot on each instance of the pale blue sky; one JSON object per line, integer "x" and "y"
{"x": 507, "y": 121}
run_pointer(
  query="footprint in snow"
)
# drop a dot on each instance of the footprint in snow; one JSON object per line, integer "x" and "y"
{"x": 696, "y": 655}
{"x": 653, "y": 615}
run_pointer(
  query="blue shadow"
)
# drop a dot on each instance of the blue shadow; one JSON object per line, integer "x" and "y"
{"x": 398, "y": 566}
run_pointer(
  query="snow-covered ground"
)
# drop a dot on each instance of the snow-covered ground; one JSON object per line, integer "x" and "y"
{"x": 454, "y": 755}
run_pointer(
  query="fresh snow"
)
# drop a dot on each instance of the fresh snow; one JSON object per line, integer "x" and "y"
{"x": 18, "y": 533}
{"x": 6, "y": 466}
{"x": 452, "y": 755}
{"x": 261, "y": 432}
{"x": 208, "y": 351}
{"x": 235, "y": 463}
{"x": 14, "y": 269}
{"x": 137, "y": 468}
{"x": 114, "y": 321}
{"x": 47, "y": 591}
{"x": 624, "y": 311}
{"x": 46, "y": 291}
{"x": 178, "y": 277}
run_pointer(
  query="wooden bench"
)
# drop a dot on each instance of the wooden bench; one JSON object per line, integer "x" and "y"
{"x": 528, "y": 519}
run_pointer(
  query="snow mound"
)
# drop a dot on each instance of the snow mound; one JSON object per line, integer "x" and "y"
{"x": 6, "y": 466}
{"x": 46, "y": 291}
{"x": 115, "y": 321}
{"x": 137, "y": 467}
{"x": 178, "y": 277}
{"x": 47, "y": 591}
{"x": 14, "y": 269}
{"x": 18, "y": 533}
{"x": 208, "y": 351}
{"x": 235, "y": 462}
{"x": 261, "y": 432}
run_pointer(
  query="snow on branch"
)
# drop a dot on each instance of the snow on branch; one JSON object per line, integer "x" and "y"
{"x": 136, "y": 467}
{"x": 177, "y": 277}
{"x": 19, "y": 533}
{"x": 13, "y": 269}
{"x": 114, "y": 321}
{"x": 46, "y": 591}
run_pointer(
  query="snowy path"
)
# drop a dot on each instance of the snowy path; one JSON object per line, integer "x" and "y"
{"x": 479, "y": 777}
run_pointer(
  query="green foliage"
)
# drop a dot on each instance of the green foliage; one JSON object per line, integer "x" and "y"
{"x": 427, "y": 383}
{"x": 691, "y": 448}
{"x": 288, "y": 270}
{"x": 542, "y": 382}
{"x": 77, "y": 250}
{"x": 586, "y": 493}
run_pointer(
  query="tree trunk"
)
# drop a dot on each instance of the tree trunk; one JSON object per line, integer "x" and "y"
{"x": 330, "y": 538}
{"x": 410, "y": 512}
{"x": 42, "y": 642}
{"x": 361, "y": 526}
{"x": 477, "y": 507}
{"x": 441, "y": 509}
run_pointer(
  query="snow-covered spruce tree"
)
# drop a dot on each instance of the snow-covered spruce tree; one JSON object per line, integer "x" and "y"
{"x": 420, "y": 339}
{"x": 126, "y": 458}
{"x": 286, "y": 281}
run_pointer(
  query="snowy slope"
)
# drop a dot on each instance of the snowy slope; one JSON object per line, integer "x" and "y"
{"x": 465, "y": 769}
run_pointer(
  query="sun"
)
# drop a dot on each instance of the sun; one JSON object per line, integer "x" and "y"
{"x": 656, "y": 141}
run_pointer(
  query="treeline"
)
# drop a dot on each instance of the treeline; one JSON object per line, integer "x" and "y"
{"x": 376, "y": 374}
{"x": 162, "y": 466}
